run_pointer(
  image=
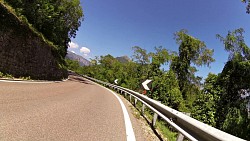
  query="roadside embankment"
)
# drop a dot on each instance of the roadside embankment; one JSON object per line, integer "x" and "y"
{"x": 24, "y": 52}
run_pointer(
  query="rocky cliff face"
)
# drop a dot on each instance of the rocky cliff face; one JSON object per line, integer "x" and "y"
{"x": 82, "y": 61}
{"x": 24, "y": 52}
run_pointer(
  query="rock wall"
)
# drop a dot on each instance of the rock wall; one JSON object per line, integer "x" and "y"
{"x": 24, "y": 52}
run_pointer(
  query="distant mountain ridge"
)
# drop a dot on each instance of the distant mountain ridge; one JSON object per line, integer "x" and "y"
{"x": 84, "y": 62}
{"x": 81, "y": 60}
{"x": 123, "y": 59}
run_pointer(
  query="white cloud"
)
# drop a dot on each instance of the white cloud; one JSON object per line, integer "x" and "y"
{"x": 73, "y": 51}
{"x": 73, "y": 45}
{"x": 85, "y": 51}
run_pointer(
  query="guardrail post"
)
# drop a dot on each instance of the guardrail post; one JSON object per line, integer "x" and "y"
{"x": 130, "y": 98}
{"x": 143, "y": 108}
{"x": 180, "y": 137}
{"x": 135, "y": 102}
{"x": 154, "y": 119}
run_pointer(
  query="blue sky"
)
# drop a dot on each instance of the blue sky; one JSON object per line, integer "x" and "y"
{"x": 115, "y": 26}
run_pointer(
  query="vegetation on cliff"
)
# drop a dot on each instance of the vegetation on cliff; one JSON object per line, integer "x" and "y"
{"x": 57, "y": 20}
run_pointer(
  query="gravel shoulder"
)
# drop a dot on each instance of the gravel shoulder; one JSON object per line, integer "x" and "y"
{"x": 143, "y": 131}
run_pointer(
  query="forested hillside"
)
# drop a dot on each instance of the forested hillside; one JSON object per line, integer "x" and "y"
{"x": 217, "y": 101}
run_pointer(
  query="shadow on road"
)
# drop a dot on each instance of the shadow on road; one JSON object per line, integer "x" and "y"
{"x": 77, "y": 78}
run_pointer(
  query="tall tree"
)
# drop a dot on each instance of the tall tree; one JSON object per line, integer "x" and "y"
{"x": 235, "y": 77}
{"x": 191, "y": 51}
{"x": 160, "y": 57}
{"x": 235, "y": 44}
{"x": 141, "y": 57}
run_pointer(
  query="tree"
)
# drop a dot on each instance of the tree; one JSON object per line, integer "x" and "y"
{"x": 191, "y": 51}
{"x": 140, "y": 55}
{"x": 132, "y": 77}
{"x": 206, "y": 103}
{"x": 160, "y": 57}
{"x": 165, "y": 88}
{"x": 235, "y": 77}
{"x": 143, "y": 59}
{"x": 57, "y": 20}
{"x": 72, "y": 65}
{"x": 231, "y": 108}
{"x": 235, "y": 44}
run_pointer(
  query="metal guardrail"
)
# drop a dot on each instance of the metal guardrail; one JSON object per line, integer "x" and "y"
{"x": 191, "y": 128}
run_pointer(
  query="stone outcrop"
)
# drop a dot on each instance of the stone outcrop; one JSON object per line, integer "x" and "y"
{"x": 24, "y": 52}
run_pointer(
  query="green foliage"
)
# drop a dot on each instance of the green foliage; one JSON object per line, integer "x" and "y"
{"x": 231, "y": 108}
{"x": 191, "y": 51}
{"x": 72, "y": 65}
{"x": 216, "y": 102}
{"x": 140, "y": 55}
{"x": 236, "y": 123}
{"x": 235, "y": 44}
{"x": 160, "y": 57}
{"x": 57, "y": 20}
{"x": 165, "y": 88}
{"x": 205, "y": 105}
{"x": 6, "y": 75}
{"x": 9, "y": 76}
{"x": 235, "y": 77}
{"x": 166, "y": 130}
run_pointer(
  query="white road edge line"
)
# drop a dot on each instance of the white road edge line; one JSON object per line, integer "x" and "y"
{"x": 33, "y": 82}
{"x": 128, "y": 125}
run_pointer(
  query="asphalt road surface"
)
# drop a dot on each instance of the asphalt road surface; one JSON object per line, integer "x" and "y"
{"x": 73, "y": 110}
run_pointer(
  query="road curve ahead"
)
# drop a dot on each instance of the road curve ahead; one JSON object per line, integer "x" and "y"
{"x": 73, "y": 110}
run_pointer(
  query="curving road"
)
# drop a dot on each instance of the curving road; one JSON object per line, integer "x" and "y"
{"x": 73, "y": 110}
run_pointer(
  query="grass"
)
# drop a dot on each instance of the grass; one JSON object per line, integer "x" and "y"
{"x": 9, "y": 76}
{"x": 2, "y": 75}
{"x": 166, "y": 131}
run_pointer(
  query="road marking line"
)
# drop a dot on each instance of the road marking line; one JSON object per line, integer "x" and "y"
{"x": 128, "y": 125}
{"x": 20, "y": 81}
{"x": 34, "y": 82}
